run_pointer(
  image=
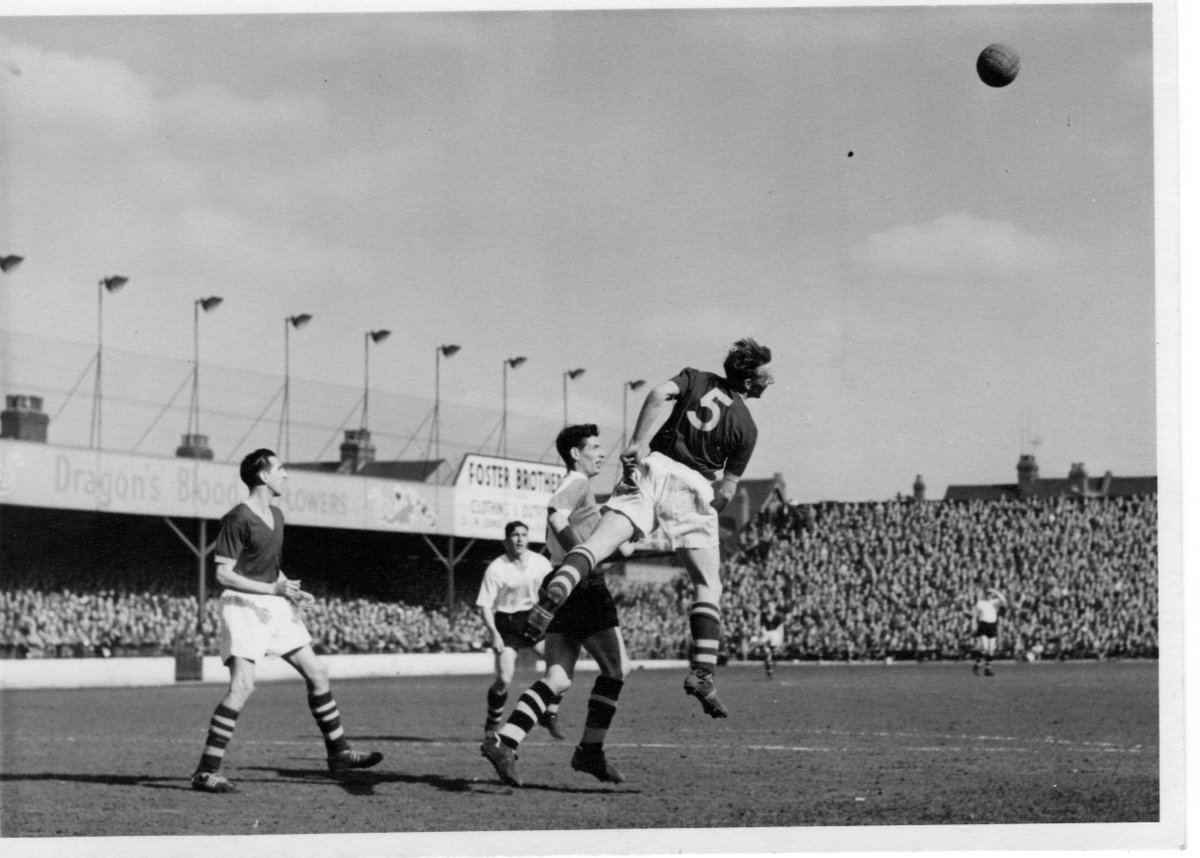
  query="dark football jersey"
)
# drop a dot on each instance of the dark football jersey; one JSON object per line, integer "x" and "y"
{"x": 246, "y": 539}
{"x": 710, "y": 428}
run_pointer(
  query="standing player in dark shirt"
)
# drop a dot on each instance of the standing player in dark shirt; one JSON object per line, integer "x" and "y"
{"x": 690, "y": 427}
{"x": 259, "y": 617}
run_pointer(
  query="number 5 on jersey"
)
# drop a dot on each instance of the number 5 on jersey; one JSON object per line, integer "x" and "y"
{"x": 711, "y": 403}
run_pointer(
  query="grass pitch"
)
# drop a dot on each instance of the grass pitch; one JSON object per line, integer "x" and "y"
{"x": 817, "y": 746}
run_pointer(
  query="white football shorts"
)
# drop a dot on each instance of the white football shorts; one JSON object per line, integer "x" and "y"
{"x": 661, "y": 492}
{"x": 254, "y": 625}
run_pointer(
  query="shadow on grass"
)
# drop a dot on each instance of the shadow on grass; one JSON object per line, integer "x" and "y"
{"x": 363, "y": 782}
{"x": 353, "y": 783}
{"x": 151, "y": 781}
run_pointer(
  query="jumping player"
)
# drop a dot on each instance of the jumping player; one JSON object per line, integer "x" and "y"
{"x": 987, "y": 614}
{"x": 509, "y": 588}
{"x": 690, "y": 427}
{"x": 260, "y": 616}
{"x": 587, "y": 620}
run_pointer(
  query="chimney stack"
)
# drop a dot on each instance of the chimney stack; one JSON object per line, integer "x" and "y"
{"x": 1027, "y": 474}
{"x": 1078, "y": 478}
{"x": 194, "y": 447}
{"x": 357, "y": 451}
{"x": 23, "y": 419}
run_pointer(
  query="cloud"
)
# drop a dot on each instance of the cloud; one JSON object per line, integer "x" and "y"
{"x": 60, "y": 91}
{"x": 961, "y": 244}
{"x": 56, "y": 88}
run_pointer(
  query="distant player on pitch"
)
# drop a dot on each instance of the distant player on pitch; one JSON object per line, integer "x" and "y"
{"x": 987, "y": 613}
{"x": 587, "y": 620}
{"x": 690, "y": 427}
{"x": 260, "y": 617}
{"x": 509, "y": 589}
{"x": 771, "y": 622}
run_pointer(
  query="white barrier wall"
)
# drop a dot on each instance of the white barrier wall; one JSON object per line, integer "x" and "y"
{"x": 99, "y": 672}
{"x": 85, "y": 672}
{"x": 129, "y": 672}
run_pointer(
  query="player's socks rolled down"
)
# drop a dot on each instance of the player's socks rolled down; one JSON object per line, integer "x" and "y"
{"x": 526, "y": 713}
{"x": 704, "y": 618}
{"x": 602, "y": 706}
{"x": 325, "y": 711}
{"x": 220, "y": 731}
{"x": 496, "y": 701}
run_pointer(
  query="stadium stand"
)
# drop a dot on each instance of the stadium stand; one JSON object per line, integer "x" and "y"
{"x": 892, "y": 579}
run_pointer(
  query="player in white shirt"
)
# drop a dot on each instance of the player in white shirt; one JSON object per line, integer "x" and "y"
{"x": 509, "y": 589}
{"x": 987, "y": 613}
{"x": 771, "y": 624}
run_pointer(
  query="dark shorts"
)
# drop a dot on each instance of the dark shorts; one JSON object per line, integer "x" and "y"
{"x": 589, "y": 609}
{"x": 508, "y": 625}
{"x": 985, "y": 630}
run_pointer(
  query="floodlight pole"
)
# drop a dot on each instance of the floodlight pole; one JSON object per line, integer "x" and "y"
{"x": 625, "y": 388}
{"x": 106, "y": 284}
{"x": 513, "y": 362}
{"x": 285, "y": 420}
{"x": 570, "y": 374}
{"x": 208, "y": 305}
{"x": 377, "y": 337}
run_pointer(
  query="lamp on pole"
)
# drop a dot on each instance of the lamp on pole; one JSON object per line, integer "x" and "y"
{"x": 207, "y": 305}
{"x": 285, "y": 417}
{"x": 371, "y": 337}
{"x": 571, "y": 374}
{"x": 628, "y": 386}
{"x": 448, "y": 351}
{"x": 513, "y": 362}
{"x": 107, "y": 284}
{"x": 9, "y": 262}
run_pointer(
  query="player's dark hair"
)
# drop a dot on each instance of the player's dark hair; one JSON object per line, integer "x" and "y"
{"x": 513, "y": 525}
{"x": 744, "y": 359}
{"x": 254, "y": 464}
{"x": 573, "y": 438}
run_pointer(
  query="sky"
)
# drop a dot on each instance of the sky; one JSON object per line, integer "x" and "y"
{"x": 949, "y": 275}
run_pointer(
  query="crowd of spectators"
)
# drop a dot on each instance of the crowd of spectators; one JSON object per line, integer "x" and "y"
{"x": 893, "y": 579}
{"x": 65, "y": 624}
{"x": 899, "y": 580}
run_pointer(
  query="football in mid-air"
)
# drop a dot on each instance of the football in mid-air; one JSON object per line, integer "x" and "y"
{"x": 998, "y": 65}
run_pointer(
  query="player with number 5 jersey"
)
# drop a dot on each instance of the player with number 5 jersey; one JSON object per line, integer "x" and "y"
{"x": 691, "y": 427}
{"x": 709, "y": 429}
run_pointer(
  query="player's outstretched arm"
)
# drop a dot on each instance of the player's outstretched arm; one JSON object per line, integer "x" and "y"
{"x": 561, "y": 525}
{"x": 232, "y": 580}
{"x": 292, "y": 591}
{"x": 655, "y": 411}
{"x": 229, "y": 578}
{"x": 724, "y": 492}
{"x": 489, "y": 620}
